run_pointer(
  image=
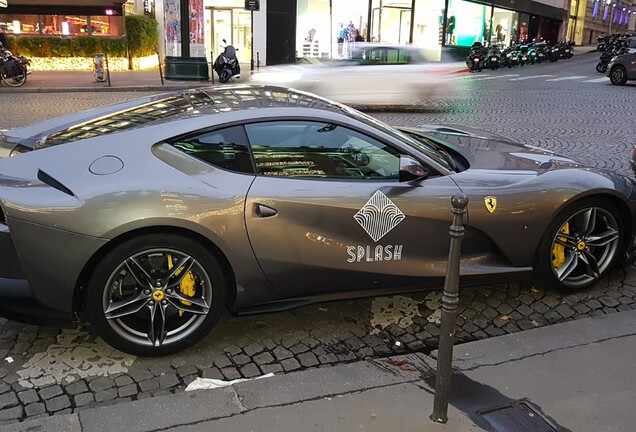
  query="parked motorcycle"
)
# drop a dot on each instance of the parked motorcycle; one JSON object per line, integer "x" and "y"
{"x": 540, "y": 49}
{"x": 477, "y": 57}
{"x": 553, "y": 53}
{"x": 226, "y": 64}
{"x": 13, "y": 69}
{"x": 494, "y": 57}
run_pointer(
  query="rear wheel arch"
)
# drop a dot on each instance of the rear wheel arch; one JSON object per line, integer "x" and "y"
{"x": 89, "y": 267}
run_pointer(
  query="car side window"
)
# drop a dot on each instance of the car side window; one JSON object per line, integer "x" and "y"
{"x": 320, "y": 150}
{"x": 224, "y": 148}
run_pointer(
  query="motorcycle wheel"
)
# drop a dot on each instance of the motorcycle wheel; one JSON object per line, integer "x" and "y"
{"x": 224, "y": 76}
{"x": 509, "y": 63}
{"x": 17, "y": 80}
{"x": 601, "y": 67}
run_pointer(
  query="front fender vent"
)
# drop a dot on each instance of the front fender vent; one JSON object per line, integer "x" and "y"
{"x": 48, "y": 180}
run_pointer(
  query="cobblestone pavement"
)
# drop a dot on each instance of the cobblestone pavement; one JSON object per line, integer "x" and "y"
{"x": 49, "y": 371}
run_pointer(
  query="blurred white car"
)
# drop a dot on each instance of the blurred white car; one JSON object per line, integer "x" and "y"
{"x": 376, "y": 74}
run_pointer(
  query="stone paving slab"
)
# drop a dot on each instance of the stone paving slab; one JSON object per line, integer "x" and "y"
{"x": 162, "y": 412}
{"x": 540, "y": 341}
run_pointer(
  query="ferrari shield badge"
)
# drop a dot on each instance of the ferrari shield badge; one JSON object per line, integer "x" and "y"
{"x": 491, "y": 203}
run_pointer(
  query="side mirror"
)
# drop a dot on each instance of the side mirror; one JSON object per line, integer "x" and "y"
{"x": 410, "y": 169}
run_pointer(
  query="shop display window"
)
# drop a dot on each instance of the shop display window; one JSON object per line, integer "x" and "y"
{"x": 428, "y": 27}
{"x": 313, "y": 34}
{"x": 467, "y": 23}
{"x": 504, "y": 26}
{"x": 63, "y": 25}
{"x": 19, "y": 23}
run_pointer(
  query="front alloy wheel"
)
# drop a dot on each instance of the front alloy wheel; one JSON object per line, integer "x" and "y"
{"x": 580, "y": 247}
{"x": 155, "y": 295}
{"x": 618, "y": 75}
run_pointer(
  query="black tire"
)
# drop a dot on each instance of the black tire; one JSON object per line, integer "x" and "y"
{"x": 573, "y": 263}
{"x": 154, "y": 316}
{"x": 509, "y": 63}
{"x": 601, "y": 67}
{"x": 224, "y": 76}
{"x": 16, "y": 80}
{"x": 618, "y": 75}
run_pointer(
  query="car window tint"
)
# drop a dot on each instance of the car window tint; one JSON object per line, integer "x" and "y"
{"x": 225, "y": 148}
{"x": 321, "y": 150}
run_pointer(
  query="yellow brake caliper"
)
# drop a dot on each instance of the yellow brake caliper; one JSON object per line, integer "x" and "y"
{"x": 558, "y": 251}
{"x": 186, "y": 286}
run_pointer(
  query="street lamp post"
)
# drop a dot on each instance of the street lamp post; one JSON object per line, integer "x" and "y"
{"x": 611, "y": 14}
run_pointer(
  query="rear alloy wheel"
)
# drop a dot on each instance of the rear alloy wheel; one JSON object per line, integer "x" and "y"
{"x": 155, "y": 295}
{"x": 579, "y": 247}
{"x": 618, "y": 75}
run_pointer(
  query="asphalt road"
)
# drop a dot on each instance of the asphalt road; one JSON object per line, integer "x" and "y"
{"x": 566, "y": 107}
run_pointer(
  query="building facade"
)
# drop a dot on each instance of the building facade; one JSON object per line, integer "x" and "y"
{"x": 591, "y": 18}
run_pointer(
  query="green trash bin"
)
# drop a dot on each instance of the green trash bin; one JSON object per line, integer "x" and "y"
{"x": 186, "y": 68}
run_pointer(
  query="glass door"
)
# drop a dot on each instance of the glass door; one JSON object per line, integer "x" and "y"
{"x": 233, "y": 25}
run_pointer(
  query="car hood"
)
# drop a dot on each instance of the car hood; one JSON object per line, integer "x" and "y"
{"x": 486, "y": 151}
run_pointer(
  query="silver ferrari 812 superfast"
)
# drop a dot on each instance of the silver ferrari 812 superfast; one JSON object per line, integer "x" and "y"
{"x": 148, "y": 218}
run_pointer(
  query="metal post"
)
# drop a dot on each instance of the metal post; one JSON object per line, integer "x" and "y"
{"x": 450, "y": 299}
{"x": 160, "y": 71}
{"x": 258, "y": 60}
{"x": 252, "y": 41}
{"x": 107, "y": 69}
{"x": 212, "y": 62}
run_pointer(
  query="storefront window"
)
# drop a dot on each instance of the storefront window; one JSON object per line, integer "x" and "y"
{"x": 19, "y": 23}
{"x": 349, "y": 26}
{"x": 504, "y": 24}
{"x": 467, "y": 23}
{"x": 313, "y": 34}
{"x": 427, "y": 31}
{"x": 105, "y": 25}
{"x": 391, "y": 21}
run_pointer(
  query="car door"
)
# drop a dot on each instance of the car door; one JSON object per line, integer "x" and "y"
{"x": 327, "y": 213}
{"x": 631, "y": 65}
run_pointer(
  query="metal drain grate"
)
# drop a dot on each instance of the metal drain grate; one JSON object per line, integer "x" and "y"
{"x": 517, "y": 417}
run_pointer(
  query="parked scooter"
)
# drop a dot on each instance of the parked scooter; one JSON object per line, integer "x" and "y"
{"x": 226, "y": 64}
{"x": 476, "y": 59}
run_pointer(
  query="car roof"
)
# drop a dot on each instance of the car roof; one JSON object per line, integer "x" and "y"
{"x": 180, "y": 105}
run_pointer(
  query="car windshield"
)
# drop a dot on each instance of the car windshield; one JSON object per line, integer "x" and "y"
{"x": 422, "y": 144}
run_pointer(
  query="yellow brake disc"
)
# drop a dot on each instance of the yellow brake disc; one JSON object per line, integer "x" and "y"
{"x": 558, "y": 250}
{"x": 186, "y": 286}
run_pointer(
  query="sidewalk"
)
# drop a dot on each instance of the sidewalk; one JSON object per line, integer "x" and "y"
{"x": 574, "y": 376}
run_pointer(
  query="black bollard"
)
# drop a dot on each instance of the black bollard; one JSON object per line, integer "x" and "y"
{"x": 450, "y": 299}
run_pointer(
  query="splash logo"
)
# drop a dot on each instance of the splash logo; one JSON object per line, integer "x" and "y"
{"x": 379, "y": 216}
